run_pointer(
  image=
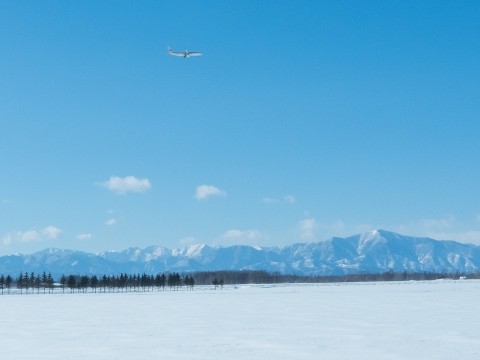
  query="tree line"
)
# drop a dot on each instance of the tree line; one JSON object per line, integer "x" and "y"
{"x": 45, "y": 283}
{"x": 36, "y": 283}
{"x": 26, "y": 281}
{"x": 265, "y": 277}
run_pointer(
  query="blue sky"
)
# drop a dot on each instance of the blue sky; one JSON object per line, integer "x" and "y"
{"x": 302, "y": 120}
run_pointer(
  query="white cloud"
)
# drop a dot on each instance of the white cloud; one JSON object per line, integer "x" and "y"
{"x": 237, "y": 234}
{"x": 189, "y": 240}
{"x": 111, "y": 222}
{"x": 335, "y": 227}
{"x": 315, "y": 230}
{"x": 205, "y": 191}
{"x": 28, "y": 236}
{"x": 48, "y": 233}
{"x": 51, "y": 232}
{"x": 84, "y": 236}
{"x": 308, "y": 228}
{"x": 7, "y": 239}
{"x": 290, "y": 199}
{"x": 441, "y": 223}
{"x": 241, "y": 237}
{"x": 468, "y": 236}
{"x": 446, "y": 228}
{"x": 269, "y": 201}
{"x": 127, "y": 184}
{"x": 287, "y": 199}
{"x": 471, "y": 237}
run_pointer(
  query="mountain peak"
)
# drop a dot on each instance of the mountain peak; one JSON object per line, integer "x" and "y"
{"x": 373, "y": 252}
{"x": 382, "y": 232}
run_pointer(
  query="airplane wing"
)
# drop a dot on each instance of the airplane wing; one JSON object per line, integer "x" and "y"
{"x": 176, "y": 53}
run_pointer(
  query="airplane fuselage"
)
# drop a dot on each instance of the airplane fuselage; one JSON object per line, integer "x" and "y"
{"x": 184, "y": 54}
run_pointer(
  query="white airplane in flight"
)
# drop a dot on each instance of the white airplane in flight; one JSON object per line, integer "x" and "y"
{"x": 183, "y": 54}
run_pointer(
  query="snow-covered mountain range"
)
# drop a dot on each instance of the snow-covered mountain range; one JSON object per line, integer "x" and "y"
{"x": 372, "y": 252}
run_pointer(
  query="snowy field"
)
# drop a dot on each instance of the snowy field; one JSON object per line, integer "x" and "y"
{"x": 412, "y": 320}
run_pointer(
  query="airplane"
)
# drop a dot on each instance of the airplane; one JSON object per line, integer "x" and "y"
{"x": 183, "y": 54}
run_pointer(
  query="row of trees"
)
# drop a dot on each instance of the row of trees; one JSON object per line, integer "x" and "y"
{"x": 44, "y": 282}
{"x": 125, "y": 282}
{"x": 220, "y": 278}
{"x": 26, "y": 282}
{"x": 5, "y": 282}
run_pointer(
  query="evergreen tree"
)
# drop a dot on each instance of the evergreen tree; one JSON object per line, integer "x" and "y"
{"x": 63, "y": 282}
{"x": 122, "y": 282}
{"x": 37, "y": 282}
{"x": 158, "y": 282}
{"x": 44, "y": 281}
{"x": 110, "y": 283}
{"x": 32, "y": 281}
{"x": 151, "y": 281}
{"x": 2, "y": 282}
{"x": 104, "y": 282}
{"x": 26, "y": 282}
{"x": 144, "y": 281}
{"x": 178, "y": 280}
{"x": 50, "y": 283}
{"x": 20, "y": 283}
{"x": 134, "y": 282}
{"x": 171, "y": 281}
{"x": 94, "y": 283}
{"x": 189, "y": 281}
{"x": 83, "y": 283}
{"x": 131, "y": 282}
{"x": 71, "y": 283}
{"x": 164, "y": 281}
{"x": 8, "y": 282}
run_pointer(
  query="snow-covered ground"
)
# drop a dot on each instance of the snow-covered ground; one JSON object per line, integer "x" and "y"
{"x": 410, "y": 320}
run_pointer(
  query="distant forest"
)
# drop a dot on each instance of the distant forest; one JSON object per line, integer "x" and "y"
{"x": 45, "y": 283}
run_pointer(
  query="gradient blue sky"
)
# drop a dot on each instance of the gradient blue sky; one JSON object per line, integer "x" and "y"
{"x": 303, "y": 120}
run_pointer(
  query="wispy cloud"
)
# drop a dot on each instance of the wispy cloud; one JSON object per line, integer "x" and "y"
{"x": 287, "y": 199}
{"x": 51, "y": 232}
{"x": 438, "y": 223}
{"x": 269, "y": 201}
{"x": 7, "y": 239}
{"x": 237, "y": 234}
{"x": 447, "y": 228}
{"x": 205, "y": 191}
{"x": 250, "y": 237}
{"x": 189, "y": 240}
{"x": 308, "y": 228}
{"x": 48, "y": 233}
{"x": 111, "y": 222}
{"x": 468, "y": 236}
{"x": 336, "y": 227}
{"x": 442, "y": 228}
{"x": 84, "y": 236}
{"x": 28, "y": 236}
{"x": 127, "y": 184}
{"x": 290, "y": 199}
